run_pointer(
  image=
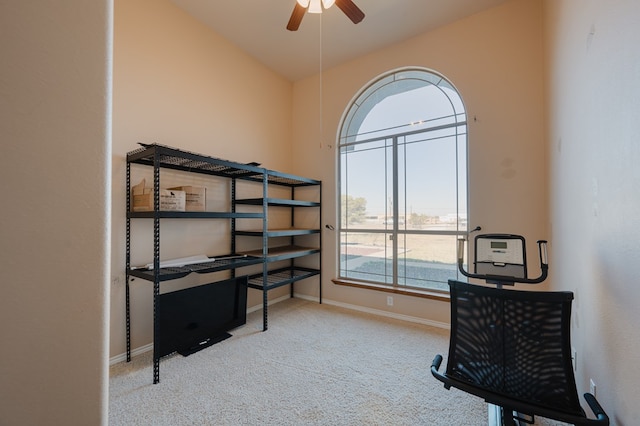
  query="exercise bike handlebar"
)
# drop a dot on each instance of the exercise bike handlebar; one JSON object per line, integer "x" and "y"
{"x": 544, "y": 267}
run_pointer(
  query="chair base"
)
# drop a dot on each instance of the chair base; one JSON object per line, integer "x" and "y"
{"x": 497, "y": 416}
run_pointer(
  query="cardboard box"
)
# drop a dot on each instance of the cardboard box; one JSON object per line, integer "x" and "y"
{"x": 170, "y": 200}
{"x": 196, "y": 200}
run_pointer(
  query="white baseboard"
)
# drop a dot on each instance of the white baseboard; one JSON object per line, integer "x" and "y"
{"x": 269, "y": 303}
{"x": 378, "y": 312}
{"x": 146, "y": 348}
{"x": 134, "y": 352}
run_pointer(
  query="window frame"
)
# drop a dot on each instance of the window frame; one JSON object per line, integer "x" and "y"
{"x": 354, "y": 114}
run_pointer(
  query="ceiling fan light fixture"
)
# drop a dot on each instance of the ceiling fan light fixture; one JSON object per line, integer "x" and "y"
{"x": 314, "y": 6}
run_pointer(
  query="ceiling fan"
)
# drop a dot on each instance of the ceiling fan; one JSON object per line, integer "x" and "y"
{"x": 349, "y": 8}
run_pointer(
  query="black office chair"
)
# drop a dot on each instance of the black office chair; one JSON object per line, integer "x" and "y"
{"x": 513, "y": 347}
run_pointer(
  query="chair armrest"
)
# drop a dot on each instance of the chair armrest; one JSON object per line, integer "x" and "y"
{"x": 436, "y": 362}
{"x": 596, "y": 408}
{"x": 435, "y": 365}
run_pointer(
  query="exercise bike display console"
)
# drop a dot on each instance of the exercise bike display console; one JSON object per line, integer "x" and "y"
{"x": 511, "y": 347}
{"x": 502, "y": 259}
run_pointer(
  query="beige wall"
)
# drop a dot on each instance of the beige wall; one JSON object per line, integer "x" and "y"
{"x": 55, "y": 129}
{"x": 593, "y": 70}
{"x": 178, "y": 83}
{"x": 494, "y": 58}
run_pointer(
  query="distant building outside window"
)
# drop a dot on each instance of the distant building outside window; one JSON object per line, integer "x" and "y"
{"x": 403, "y": 181}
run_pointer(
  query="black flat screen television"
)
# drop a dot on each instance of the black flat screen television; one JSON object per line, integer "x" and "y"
{"x": 197, "y": 317}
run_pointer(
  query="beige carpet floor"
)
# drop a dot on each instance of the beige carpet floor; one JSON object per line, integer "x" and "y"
{"x": 316, "y": 365}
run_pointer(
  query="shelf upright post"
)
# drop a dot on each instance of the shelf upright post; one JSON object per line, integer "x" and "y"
{"x": 265, "y": 247}
{"x": 292, "y": 212}
{"x": 320, "y": 242}
{"x": 156, "y": 267}
{"x": 233, "y": 221}
{"x": 128, "y": 264}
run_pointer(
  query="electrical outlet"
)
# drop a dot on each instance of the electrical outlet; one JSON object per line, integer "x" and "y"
{"x": 389, "y": 300}
{"x": 592, "y": 387}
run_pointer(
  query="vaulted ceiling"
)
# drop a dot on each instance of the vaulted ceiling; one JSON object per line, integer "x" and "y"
{"x": 328, "y": 39}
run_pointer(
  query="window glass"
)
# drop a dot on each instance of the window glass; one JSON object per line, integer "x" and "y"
{"x": 403, "y": 181}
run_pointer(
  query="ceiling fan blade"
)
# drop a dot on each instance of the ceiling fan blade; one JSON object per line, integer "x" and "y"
{"x": 350, "y": 9}
{"x": 296, "y": 17}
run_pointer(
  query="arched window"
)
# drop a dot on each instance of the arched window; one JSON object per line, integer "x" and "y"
{"x": 403, "y": 181}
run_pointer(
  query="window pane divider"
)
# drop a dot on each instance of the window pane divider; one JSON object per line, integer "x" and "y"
{"x": 462, "y": 232}
{"x": 405, "y": 134}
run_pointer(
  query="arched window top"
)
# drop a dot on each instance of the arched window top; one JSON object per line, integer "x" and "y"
{"x": 434, "y": 100}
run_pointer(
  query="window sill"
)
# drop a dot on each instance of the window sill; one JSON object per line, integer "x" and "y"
{"x": 425, "y": 294}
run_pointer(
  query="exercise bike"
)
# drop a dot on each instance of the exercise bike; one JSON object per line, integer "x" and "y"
{"x": 511, "y": 347}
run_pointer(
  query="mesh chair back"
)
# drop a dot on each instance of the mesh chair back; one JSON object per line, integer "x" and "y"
{"x": 514, "y": 343}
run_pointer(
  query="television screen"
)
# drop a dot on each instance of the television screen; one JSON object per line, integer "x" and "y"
{"x": 197, "y": 317}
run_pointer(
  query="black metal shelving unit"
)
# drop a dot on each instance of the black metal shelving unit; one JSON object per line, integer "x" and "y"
{"x": 280, "y": 276}
{"x": 163, "y": 157}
